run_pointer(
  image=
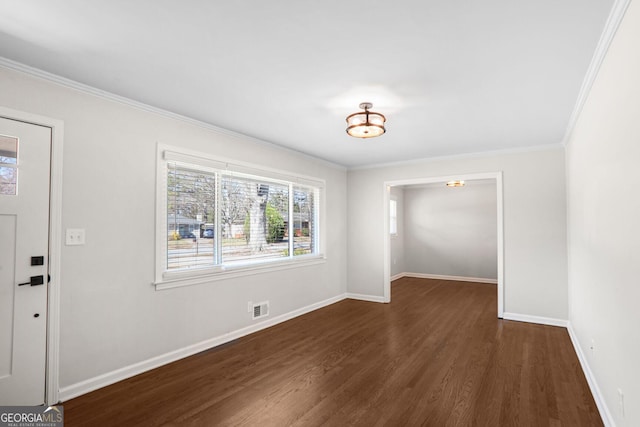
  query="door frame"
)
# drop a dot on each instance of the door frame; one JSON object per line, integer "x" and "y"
{"x": 437, "y": 179}
{"x": 55, "y": 246}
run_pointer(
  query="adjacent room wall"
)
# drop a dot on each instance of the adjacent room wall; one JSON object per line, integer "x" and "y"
{"x": 603, "y": 157}
{"x": 535, "y": 273}
{"x": 112, "y": 316}
{"x": 451, "y": 231}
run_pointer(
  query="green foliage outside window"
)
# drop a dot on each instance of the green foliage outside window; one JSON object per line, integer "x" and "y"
{"x": 275, "y": 225}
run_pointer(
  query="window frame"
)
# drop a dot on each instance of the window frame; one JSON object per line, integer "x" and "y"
{"x": 165, "y": 279}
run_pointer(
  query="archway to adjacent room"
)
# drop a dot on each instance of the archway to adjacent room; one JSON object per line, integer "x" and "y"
{"x": 493, "y": 177}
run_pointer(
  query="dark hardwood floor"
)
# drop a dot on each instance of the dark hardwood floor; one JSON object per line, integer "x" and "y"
{"x": 436, "y": 356}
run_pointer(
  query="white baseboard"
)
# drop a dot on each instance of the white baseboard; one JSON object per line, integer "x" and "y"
{"x": 535, "y": 319}
{"x": 109, "y": 378}
{"x": 363, "y": 297}
{"x": 397, "y": 276}
{"x": 605, "y": 414}
{"x": 444, "y": 277}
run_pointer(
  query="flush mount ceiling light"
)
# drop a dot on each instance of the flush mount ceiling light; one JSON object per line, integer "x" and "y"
{"x": 365, "y": 124}
{"x": 455, "y": 184}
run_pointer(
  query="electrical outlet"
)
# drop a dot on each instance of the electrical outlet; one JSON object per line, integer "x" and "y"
{"x": 74, "y": 236}
{"x": 249, "y": 307}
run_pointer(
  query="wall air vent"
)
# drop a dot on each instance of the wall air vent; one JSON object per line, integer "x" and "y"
{"x": 260, "y": 310}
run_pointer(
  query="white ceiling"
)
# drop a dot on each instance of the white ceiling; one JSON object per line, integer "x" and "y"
{"x": 452, "y": 77}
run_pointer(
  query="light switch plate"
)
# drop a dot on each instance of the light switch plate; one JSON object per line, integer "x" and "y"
{"x": 74, "y": 236}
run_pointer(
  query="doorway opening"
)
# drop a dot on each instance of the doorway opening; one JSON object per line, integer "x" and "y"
{"x": 491, "y": 181}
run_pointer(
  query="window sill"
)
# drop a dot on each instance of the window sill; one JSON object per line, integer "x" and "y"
{"x": 180, "y": 279}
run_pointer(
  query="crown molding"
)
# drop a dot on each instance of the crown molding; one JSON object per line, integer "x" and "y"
{"x": 81, "y": 87}
{"x": 479, "y": 154}
{"x": 610, "y": 28}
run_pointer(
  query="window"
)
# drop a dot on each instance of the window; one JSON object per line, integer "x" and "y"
{"x": 216, "y": 218}
{"x": 8, "y": 165}
{"x": 393, "y": 217}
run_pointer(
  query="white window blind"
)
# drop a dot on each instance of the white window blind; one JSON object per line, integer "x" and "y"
{"x": 304, "y": 220}
{"x": 253, "y": 219}
{"x": 191, "y": 205}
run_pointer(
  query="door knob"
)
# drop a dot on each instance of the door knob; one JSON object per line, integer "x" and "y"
{"x": 35, "y": 281}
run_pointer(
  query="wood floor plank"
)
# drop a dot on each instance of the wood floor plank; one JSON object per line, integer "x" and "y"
{"x": 436, "y": 356}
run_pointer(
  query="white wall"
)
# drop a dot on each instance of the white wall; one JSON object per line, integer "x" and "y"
{"x": 535, "y": 271}
{"x": 603, "y": 170}
{"x": 451, "y": 231}
{"x": 112, "y": 316}
{"x": 396, "y": 243}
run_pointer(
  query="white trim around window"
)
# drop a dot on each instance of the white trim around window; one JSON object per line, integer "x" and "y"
{"x": 198, "y": 240}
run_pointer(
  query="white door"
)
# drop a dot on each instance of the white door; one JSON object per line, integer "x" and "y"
{"x": 25, "y": 151}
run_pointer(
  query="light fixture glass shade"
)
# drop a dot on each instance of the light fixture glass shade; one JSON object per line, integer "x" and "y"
{"x": 365, "y": 124}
